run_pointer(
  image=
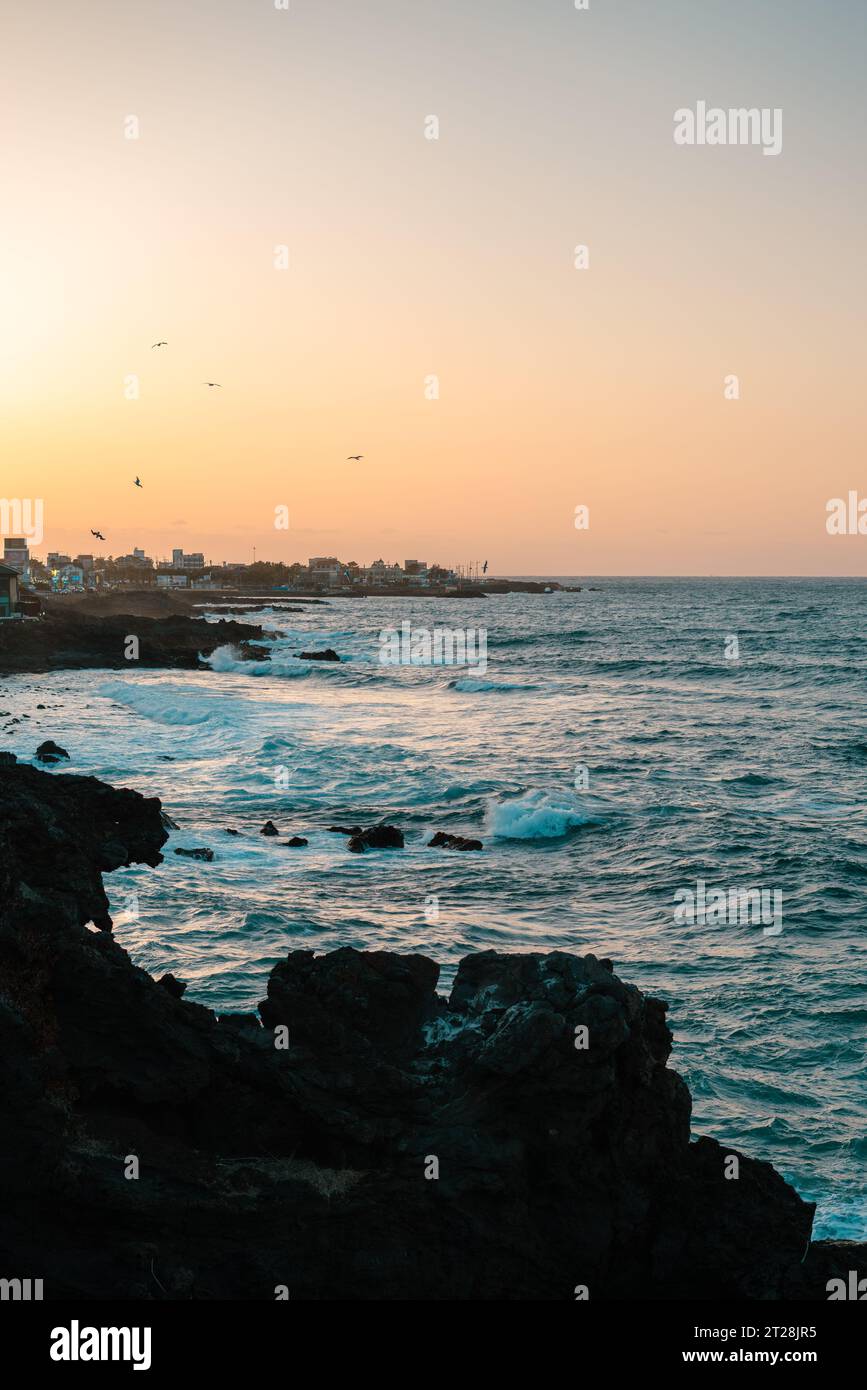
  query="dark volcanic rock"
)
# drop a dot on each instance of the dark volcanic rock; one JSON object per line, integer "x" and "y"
{"x": 175, "y": 987}
{"x": 50, "y": 752}
{"x": 74, "y": 640}
{"x": 296, "y": 842}
{"x": 376, "y": 837}
{"x": 269, "y": 828}
{"x": 240, "y": 1021}
{"x": 59, "y": 834}
{"x": 328, "y": 655}
{"x": 296, "y": 1153}
{"x": 442, "y": 840}
{"x": 251, "y": 651}
{"x": 346, "y": 829}
{"x": 202, "y": 853}
{"x": 168, "y": 822}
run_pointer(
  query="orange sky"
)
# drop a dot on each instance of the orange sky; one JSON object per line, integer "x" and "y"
{"x": 411, "y": 257}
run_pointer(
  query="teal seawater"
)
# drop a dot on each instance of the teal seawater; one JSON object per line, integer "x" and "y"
{"x": 742, "y": 773}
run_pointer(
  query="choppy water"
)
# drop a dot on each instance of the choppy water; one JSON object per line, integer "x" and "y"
{"x": 744, "y": 773}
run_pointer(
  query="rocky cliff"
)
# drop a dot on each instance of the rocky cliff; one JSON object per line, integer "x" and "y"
{"x": 369, "y": 1138}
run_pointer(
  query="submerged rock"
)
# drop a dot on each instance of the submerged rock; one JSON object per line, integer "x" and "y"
{"x": 442, "y": 840}
{"x": 50, "y": 752}
{"x": 296, "y": 842}
{"x": 203, "y": 853}
{"x": 269, "y": 828}
{"x": 538, "y": 1094}
{"x": 328, "y": 655}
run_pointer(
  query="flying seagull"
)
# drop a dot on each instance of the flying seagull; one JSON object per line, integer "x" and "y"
{"x": 211, "y": 383}
{"x": 139, "y": 483}
{"x": 98, "y": 534}
{"x": 161, "y": 343}
{"x": 354, "y": 458}
{"x": 485, "y": 567}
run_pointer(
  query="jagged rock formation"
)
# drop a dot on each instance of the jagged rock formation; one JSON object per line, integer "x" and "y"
{"x": 373, "y": 1140}
{"x": 51, "y": 752}
{"x": 443, "y": 840}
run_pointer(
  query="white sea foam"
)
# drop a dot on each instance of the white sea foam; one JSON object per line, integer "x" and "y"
{"x": 166, "y": 704}
{"x": 535, "y": 815}
{"x": 225, "y": 659}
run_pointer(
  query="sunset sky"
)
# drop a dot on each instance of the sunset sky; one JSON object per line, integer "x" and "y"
{"x": 411, "y": 257}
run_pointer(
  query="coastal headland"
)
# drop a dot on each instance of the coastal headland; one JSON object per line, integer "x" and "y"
{"x": 76, "y": 631}
{"x": 70, "y": 636}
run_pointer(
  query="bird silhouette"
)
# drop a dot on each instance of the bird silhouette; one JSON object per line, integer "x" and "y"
{"x": 98, "y": 534}
{"x": 161, "y": 343}
{"x": 139, "y": 483}
{"x": 354, "y": 458}
{"x": 210, "y": 383}
{"x": 485, "y": 567}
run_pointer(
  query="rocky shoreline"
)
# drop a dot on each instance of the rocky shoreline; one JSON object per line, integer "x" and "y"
{"x": 75, "y": 641}
{"x": 364, "y": 1137}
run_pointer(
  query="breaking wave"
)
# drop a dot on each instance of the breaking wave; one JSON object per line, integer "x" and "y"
{"x": 168, "y": 704}
{"x": 475, "y": 685}
{"x": 536, "y": 815}
{"x": 226, "y": 660}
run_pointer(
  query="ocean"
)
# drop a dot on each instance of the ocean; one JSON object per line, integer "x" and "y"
{"x": 626, "y": 750}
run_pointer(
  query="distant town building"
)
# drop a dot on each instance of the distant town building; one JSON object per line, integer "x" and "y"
{"x": 325, "y": 569}
{"x": 136, "y": 561}
{"x": 56, "y": 560}
{"x": 381, "y": 573}
{"x": 173, "y": 581}
{"x": 438, "y": 575}
{"x": 17, "y": 555}
{"x": 84, "y": 562}
{"x": 182, "y": 561}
